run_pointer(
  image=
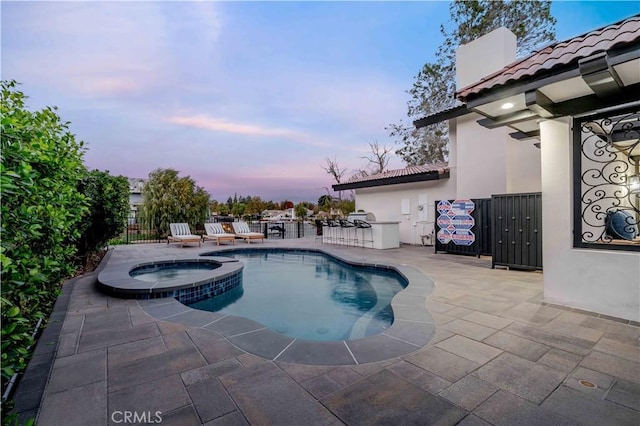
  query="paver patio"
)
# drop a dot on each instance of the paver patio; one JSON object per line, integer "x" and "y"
{"x": 499, "y": 356}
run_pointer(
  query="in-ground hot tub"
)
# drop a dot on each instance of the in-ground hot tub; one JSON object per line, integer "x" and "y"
{"x": 188, "y": 280}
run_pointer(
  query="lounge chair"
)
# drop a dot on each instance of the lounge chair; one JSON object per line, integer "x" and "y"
{"x": 242, "y": 230}
{"x": 216, "y": 233}
{"x": 180, "y": 233}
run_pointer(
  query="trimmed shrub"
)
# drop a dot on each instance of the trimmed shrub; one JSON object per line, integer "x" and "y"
{"x": 41, "y": 211}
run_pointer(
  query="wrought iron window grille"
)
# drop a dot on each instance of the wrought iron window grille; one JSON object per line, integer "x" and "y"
{"x": 607, "y": 180}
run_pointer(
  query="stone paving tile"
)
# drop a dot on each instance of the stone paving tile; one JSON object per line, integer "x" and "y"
{"x": 166, "y": 327}
{"x": 568, "y": 329}
{"x": 210, "y": 400}
{"x": 560, "y": 360}
{"x": 184, "y": 416}
{"x": 252, "y": 375}
{"x": 210, "y": 372}
{"x": 234, "y": 419}
{"x": 476, "y": 303}
{"x": 249, "y": 360}
{"x": 312, "y": 352}
{"x": 625, "y": 393}
{"x": 602, "y": 381}
{"x": 264, "y": 343}
{"x": 419, "y": 377}
{"x": 442, "y": 318}
{"x": 517, "y": 345}
{"x": 472, "y": 420}
{"x": 332, "y": 381}
{"x": 211, "y": 347}
{"x": 612, "y": 327}
{"x": 163, "y": 395}
{"x": 78, "y": 370}
{"x": 445, "y": 364}
{"x": 72, "y": 324}
{"x": 372, "y": 367}
{"x": 154, "y": 367}
{"x": 469, "y": 329}
{"x": 380, "y": 347}
{"x": 507, "y": 409}
{"x": 302, "y": 372}
{"x": 418, "y": 334}
{"x": 384, "y": 398}
{"x": 281, "y": 401}
{"x": 469, "y": 392}
{"x": 613, "y": 366}
{"x": 469, "y": 349}
{"x": 91, "y": 341}
{"x": 620, "y": 350}
{"x": 194, "y": 318}
{"x": 81, "y": 406}
{"x": 533, "y": 313}
{"x": 232, "y": 325}
{"x": 68, "y": 344}
{"x": 521, "y": 377}
{"x": 566, "y": 343}
{"x": 127, "y": 352}
{"x": 588, "y": 410}
{"x": 108, "y": 319}
{"x": 487, "y": 320}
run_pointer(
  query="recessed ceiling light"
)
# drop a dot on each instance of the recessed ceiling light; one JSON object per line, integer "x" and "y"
{"x": 506, "y": 105}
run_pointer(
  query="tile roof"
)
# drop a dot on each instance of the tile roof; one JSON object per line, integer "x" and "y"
{"x": 559, "y": 54}
{"x": 397, "y": 176}
{"x": 407, "y": 171}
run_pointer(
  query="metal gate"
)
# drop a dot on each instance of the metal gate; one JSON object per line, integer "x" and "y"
{"x": 481, "y": 231}
{"x": 517, "y": 230}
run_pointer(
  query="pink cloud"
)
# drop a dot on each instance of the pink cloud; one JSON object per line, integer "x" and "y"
{"x": 221, "y": 125}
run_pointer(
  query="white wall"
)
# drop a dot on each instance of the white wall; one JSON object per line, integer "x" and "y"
{"x": 490, "y": 161}
{"x": 523, "y": 166}
{"x": 385, "y": 202}
{"x": 481, "y": 158}
{"x": 602, "y": 281}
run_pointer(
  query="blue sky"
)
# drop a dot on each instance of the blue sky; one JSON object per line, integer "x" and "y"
{"x": 245, "y": 97}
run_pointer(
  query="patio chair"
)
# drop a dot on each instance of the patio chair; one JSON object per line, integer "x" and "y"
{"x": 180, "y": 233}
{"x": 216, "y": 233}
{"x": 242, "y": 230}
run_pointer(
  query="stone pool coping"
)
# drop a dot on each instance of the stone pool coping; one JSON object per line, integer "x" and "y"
{"x": 412, "y": 329}
{"x": 115, "y": 280}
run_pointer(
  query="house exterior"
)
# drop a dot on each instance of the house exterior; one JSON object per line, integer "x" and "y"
{"x": 580, "y": 99}
{"x": 564, "y": 121}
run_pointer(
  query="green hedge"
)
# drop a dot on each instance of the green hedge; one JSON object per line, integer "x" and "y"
{"x": 51, "y": 207}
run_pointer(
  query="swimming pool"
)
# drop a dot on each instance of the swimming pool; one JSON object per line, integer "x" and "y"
{"x": 309, "y": 295}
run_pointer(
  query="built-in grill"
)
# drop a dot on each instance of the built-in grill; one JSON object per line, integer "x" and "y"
{"x": 365, "y": 216}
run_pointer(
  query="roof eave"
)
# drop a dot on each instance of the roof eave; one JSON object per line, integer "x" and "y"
{"x": 441, "y": 116}
{"x": 421, "y": 177}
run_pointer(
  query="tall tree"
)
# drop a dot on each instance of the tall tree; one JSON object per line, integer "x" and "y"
{"x": 434, "y": 87}
{"x": 337, "y": 173}
{"x": 168, "y": 198}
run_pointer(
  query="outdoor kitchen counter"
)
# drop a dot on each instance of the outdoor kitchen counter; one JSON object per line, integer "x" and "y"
{"x": 381, "y": 235}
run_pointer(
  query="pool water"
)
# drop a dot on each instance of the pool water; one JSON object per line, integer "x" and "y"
{"x": 193, "y": 271}
{"x": 310, "y": 296}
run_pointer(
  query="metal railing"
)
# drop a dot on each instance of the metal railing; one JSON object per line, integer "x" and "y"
{"x": 138, "y": 231}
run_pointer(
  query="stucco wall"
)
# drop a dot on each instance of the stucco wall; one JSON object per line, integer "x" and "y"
{"x": 523, "y": 166}
{"x": 385, "y": 202}
{"x": 481, "y": 159}
{"x": 602, "y": 281}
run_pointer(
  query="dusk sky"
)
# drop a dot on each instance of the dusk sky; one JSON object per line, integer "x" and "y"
{"x": 245, "y": 97}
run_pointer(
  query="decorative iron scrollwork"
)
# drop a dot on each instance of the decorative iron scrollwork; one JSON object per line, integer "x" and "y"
{"x": 610, "y": 155}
